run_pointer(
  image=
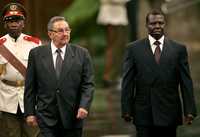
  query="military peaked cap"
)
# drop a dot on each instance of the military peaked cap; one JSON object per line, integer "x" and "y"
{"x": 13, "y": 11}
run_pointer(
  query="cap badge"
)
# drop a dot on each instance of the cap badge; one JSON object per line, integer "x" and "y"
{"x": 13, "y": 7}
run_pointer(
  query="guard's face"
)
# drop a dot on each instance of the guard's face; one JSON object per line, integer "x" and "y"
{"x": 155, "y": 26}
{"x": 14, "y": 27}
{"x": 60, "y": 33}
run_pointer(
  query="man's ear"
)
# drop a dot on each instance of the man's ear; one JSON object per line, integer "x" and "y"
{"x": 50, "y": 34}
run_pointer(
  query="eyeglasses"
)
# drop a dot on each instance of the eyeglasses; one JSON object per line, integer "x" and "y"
{"x": 67, "y": 30}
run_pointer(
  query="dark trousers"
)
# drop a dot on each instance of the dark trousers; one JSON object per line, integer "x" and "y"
{"x": 59, "y": 131}
{"x": 156, "y": 131}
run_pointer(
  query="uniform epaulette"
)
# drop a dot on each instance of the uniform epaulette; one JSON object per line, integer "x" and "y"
{"x": 2, "y": 40}
{"x": 32, "y": 39}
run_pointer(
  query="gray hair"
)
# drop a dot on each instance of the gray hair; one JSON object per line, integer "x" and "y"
{"x": 53, "y": 20}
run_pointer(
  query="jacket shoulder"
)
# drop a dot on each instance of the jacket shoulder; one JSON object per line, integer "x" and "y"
{"x": 39, "y": 49}
{"x": 176, "y": 44}
{"x": 137, "y": 43}
{"x": 78, "y": 48}
{"x": 32, "y": 39}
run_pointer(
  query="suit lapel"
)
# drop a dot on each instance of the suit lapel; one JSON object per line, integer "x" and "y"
{"x": 149, "y": 55}
{"x": 149, "y": 59}
{"x": 67, "y": 63}
{"x": 47, "y": 60}
{"x": 166, "y": 52}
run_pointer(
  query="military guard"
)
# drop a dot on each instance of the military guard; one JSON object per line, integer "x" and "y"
{"x": 14, "y": 51}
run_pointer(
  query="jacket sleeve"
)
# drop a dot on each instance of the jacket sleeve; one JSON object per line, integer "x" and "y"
{"x": 186, "y": 84}
{"x": 87, "y": 84}
{"x": 30, "y": 92}
{"x": 128, "y": 83}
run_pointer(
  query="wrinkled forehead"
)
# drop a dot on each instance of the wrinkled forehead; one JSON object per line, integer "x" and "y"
{"x": 60, "y": 24}
{"x": 157, "y": 17}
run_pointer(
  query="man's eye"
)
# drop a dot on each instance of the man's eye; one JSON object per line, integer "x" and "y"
{"x": 153, "y": 23}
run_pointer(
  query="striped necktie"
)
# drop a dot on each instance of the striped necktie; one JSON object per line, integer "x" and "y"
{"x": 157, "y": 52}
{"x": 59, "y": 62}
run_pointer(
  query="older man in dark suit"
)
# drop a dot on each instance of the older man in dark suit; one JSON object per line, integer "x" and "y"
{"x": 59, "y": 84}
{"x": 154, "y": 69}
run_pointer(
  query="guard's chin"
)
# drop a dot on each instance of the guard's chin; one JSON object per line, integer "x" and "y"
{"x": 14, "y": 33}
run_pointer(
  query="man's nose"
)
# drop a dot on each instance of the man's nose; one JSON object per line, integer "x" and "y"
{"x": 157, "y": 25}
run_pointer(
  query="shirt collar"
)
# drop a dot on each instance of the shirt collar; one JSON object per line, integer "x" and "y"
{"x": 152, "y": 40}
{"x": 54, "y": 48}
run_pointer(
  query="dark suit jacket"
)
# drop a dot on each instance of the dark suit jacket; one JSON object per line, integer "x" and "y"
{"x": 150, "y": 92}
{"x": 49, "y": 98}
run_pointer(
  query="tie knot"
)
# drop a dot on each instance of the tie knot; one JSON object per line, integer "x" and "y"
{"x": 157, "y": 43}
{"x": 58, "y": 50}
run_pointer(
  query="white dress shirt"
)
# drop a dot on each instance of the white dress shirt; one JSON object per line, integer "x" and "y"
{"x": 54, "y": 53}
{"x": 153, "y": 46}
